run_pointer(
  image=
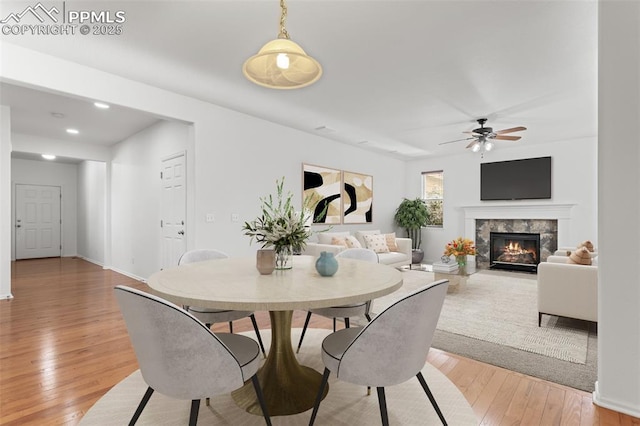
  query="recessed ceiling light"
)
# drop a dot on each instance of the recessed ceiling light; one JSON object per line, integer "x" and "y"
{"x": 48, "y": 156}
{"x": 73, "y": 131}
{"x": 57, "y": 114}
{"x": 101, "y": 105}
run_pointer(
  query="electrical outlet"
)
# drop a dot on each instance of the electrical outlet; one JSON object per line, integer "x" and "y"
{"x": 235, "y": 217}
{"x": 210, "y": 217}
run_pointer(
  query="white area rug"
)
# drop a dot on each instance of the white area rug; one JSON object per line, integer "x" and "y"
{"x": 345, "y": 404}
{"x": 501, "y": 309}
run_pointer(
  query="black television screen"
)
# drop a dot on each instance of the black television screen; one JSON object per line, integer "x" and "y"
{"x": 516, "y": 180}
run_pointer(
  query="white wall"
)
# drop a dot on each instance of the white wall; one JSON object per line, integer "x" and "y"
{"x": 5, "y": 203}
{"x": 39, "y": 145}
{"x": 246, "y": 156}
{"x": 618, "y": 385}
{"x": 91, "y": 226}
{"x": 574, "y": 181}
{"x": 56, "y": 174}
{"x": 135, "y": 196}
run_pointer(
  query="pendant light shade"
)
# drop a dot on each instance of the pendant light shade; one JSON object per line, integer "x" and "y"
{"x": 281, "y": 63}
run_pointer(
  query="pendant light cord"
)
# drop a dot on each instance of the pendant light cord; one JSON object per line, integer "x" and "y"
{"x": 283, "y": 18}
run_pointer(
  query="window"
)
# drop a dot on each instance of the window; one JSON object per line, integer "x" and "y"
{"x": 433, "y": 195}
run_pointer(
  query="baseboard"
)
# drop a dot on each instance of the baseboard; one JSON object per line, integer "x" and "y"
{"x": 95, "y": 262}
{"x": 7, "y": 296}
{"x": 127, "y": 274}
{"x": 613, "y": 405}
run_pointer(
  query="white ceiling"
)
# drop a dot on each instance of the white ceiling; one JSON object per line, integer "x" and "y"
{"x": 404, "y": 76}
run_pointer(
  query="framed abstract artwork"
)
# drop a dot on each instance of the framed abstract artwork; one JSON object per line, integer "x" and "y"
{"x": 322, "y": 189}
{"x": 357, "y": 198}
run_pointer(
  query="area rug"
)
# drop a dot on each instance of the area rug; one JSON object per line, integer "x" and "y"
{"x": 345, "y": 404}
{"x": 494, "y": 319}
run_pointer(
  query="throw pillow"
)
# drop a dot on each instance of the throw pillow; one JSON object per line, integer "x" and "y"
{"x": 377, "y": 243}
{"x": 338, "y": 241}
{"x": 352, "y": 242}
{"x": 580, "y": 256}
{"x": 588, "y": 244}
{"x": 391, "y": 241}
{"x": 325, "y": 237}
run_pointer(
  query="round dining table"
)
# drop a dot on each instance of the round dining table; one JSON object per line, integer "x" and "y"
{"x": 236, "y": 284}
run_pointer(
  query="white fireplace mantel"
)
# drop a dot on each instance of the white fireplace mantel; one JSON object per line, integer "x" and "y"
{"x": 559, "y": 212}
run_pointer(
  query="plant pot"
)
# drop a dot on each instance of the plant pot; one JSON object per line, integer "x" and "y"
{"x": 416, "y": 256}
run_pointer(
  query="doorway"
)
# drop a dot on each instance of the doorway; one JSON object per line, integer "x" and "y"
{"x": 38, "y": 221}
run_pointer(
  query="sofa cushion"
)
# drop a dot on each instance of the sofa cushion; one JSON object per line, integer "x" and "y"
{"x": 325, "y": 237}
{"x": 339, "y": 241}
{"x": 392, "y": 257}
{"x": 580, "y": 256}
{"x": 360, "y": 235}
{"x": 376, "y": 242}
{"x": 352, "y": 242}
{"x": 391, "y": 241}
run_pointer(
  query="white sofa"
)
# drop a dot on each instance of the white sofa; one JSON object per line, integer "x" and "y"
{"x": 567, "y": 290}
{"x": 394, "y": 258}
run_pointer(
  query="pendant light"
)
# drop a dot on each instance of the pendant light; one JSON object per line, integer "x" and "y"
{"x": 281, "y": 63}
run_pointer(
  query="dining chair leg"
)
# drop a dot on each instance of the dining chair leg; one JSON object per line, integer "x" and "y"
{"x": 316, "y": 405}
{"x": 368, "y": 317}
{"x": 141, "y": 406}
{"x": 334, "y": 325}
{"x": 382, "y": 401}
{"x": 231, "y": 327}
{"x": 255, "y": 327}
{"x": 193, "y": 417}
{"x": 260, "y": 395}
{"x": 423, "y": 382}
{"x": 346, "y": 323}
{"x": 304, "y": 330}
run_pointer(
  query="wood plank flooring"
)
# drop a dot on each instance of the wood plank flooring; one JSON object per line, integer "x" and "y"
{"x": 63, "y": 344}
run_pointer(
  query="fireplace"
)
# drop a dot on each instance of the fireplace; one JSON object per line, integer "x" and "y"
{"x": 514, "y": 251}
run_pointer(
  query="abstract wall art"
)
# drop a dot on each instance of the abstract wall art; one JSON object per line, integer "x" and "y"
{"x": 357, "y": 198}
{"x": 322, "y": 188}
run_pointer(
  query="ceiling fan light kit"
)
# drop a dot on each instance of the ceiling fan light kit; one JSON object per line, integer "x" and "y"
{"x": 482, "y": 137}
{"x": 282, "y": 63}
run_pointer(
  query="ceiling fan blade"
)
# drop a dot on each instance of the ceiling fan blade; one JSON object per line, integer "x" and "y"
{"x": 508, "y": 138}
{"x": 472, "y": 144}
{"x": 511, "y": 130}
{"x": 457, "y": 140}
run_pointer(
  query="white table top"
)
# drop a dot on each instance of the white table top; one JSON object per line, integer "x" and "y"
{"x": 236, "y": 284}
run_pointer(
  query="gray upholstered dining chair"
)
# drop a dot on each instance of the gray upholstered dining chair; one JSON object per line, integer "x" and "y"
{"x": 182, "y": 358}
{"x": 211, "y": 316}
{"x": 344, "y": 311}
{"x": 389, "y": 350}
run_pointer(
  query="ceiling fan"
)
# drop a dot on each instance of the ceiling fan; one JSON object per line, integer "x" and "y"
{"x": 482, "y": 136}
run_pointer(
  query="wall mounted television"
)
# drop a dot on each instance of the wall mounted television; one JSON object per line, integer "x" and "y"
{"x": 524, "y": 179}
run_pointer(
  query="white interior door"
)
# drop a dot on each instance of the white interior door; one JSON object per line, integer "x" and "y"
{"x": 38, "y": 221}
{"x": 173, "y": 210}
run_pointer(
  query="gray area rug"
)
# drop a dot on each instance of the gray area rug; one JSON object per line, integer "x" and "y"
{"x": 494, "y": 319}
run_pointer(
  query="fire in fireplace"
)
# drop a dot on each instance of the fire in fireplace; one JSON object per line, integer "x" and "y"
{"x": 515, "y": 251}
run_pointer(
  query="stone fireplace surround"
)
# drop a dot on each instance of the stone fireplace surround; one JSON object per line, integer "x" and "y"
{"x": 552, "y": 221}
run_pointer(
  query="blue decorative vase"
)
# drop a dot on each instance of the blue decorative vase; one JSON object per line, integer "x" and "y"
{"x": 326, "y": 265}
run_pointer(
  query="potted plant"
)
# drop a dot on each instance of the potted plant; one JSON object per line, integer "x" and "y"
{"x": 280, "y": 226}
{"x": 413, "y": 215}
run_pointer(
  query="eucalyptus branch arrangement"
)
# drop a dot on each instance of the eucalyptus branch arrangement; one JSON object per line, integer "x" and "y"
{"x": 279, "y": 225}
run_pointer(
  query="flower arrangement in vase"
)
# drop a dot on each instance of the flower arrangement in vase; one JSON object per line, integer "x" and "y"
{"x": 280, "y": 226}
{"x": 460, "y": 248}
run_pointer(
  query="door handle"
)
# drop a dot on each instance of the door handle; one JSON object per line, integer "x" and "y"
{"x": 180, "y": 232}
{"x": 18, "y": 226}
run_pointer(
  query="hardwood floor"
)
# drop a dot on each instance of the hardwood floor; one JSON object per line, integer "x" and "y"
{"x": 63, "y": 344}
